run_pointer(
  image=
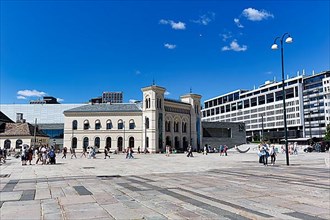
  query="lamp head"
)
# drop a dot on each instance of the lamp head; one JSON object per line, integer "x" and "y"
{"x": 289, "y": 40}
{"x": 274, "y": 47}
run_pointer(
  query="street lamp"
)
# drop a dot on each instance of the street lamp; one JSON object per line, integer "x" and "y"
{"x": 275, "y": 47}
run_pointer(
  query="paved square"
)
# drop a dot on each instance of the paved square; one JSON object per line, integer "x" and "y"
{"x": 175, "y": 187}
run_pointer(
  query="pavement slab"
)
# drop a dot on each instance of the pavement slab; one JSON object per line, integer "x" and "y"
{"x": 175, "y": 187}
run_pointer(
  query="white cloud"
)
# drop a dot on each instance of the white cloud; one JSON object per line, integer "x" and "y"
{"x": 175, "y": 25}
{"x": 21, "y": 97}
{"x": 60, "y": 100}
{"x": 235, "y": 47}
{"x": 31, "y": 93}
{"x": 167, "y": 93}
{"x": 226, "y": 36}
{"x": 256, "y": 15}
{"x": 170, "y": 46}
{"x": 134, "y": 101}
{"x": 137, "y": 72}
{"x": 205, "y": 19}
{"x": 237, "y": 22}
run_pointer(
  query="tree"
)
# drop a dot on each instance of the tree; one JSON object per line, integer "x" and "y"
{"x": 327, "y": 133}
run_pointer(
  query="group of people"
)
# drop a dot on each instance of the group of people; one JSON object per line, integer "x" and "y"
{"x": 222, "y": 150}
{"x": 264, "y": 151}
{"x": 42, "y": 154}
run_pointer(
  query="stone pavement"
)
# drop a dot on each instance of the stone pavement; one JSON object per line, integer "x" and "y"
{"x": 175, "y": 187}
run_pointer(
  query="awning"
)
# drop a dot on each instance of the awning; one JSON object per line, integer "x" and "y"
{"x": 297, "y": 139}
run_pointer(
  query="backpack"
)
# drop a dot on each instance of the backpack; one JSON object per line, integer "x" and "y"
{"x": 51, "y": 154}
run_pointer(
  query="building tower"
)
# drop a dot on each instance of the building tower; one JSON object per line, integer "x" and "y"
{"x": 153, "y": 118}
{"x": 195, "y": 119}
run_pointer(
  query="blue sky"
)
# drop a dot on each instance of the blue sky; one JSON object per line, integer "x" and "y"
{"x": 75, "y": 50}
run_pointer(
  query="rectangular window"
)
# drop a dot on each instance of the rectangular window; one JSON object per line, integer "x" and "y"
{"x": 227, "y": 108}
{"x": 270, "y": 98}
{"x": 279, "y": 96}
{"x": 253, "y": 102}
{"x": 222, "y": 109}
{"x": 246, "y": 103}
{"x": 239, "y": 105}
{"x": 217, "y": 110}
{"x": 261, "y": 100}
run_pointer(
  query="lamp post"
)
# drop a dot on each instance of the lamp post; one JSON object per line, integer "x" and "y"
{"x": 275, "y": 47}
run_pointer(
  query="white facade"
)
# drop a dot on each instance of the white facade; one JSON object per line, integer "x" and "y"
{"x": 307, "y": 108}
{"x": 44, "y": 113}
{"x": 157, "y": 122}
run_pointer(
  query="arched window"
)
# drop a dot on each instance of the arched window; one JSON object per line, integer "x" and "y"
{"x": 147, "y": 122}
{"x": 85, "y": 142}
{"x": 147, "y": 102}
{"x": 131, "y": 124}
{"x": 7, "y": 144}
{"x": 120, "y": 144}
{"x": 19, "y": 143}
{"x": 108, "y": 142}
{"x": 74, "y": 125}
{"x": 97, "y": 124}
{"x": 120, "y": 124}
{"x": 86, "y": 125}
{"x": 184, "y": 127}
{"x": 167, "y": 126}
{"x": 131, "y": 142}
{"x": 109, "y": 124}
{"x": 97, "y": 142}
{"x": 176, "y": 126}
{"x": 74, "y": 142}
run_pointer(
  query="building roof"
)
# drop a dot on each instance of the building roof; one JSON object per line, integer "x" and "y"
{"x": 5, "y": 118}
{"x": 20, "y": 129}
{"x": 105, "y": 107}
{"x": 175, "y": 101}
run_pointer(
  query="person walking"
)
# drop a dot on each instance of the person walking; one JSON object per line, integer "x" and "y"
{"x": 65, "y": 151}
{"x": 84, "y": 152}
{"x": 30, "y": 154}
{"x": 167, "y": 150}
{"x": 73, "y": 152}
{"x": 190, "y": 150}
{"x": 106, "y": 152}
{"x": 272, "y": 155}
{"x": 205, "y": 149}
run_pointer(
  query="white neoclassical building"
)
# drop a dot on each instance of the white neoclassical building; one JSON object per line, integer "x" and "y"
{"x": 152, "y": 125}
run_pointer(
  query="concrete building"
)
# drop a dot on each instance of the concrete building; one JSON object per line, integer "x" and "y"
{"x": 223, "y": 133}
{"x": 261, "y": 109}
{"x": 152, "y": 125}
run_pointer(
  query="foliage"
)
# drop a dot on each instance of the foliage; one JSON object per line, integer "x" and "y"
{"x": 327, "y": 133}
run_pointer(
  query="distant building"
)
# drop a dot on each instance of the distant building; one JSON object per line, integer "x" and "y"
{"x": 307, "y": 106}
{"x": 14, "y": 135}
{"x": 112, "y": 97}
{"x": 46, "y": 100}
{"x": 108, "y": 97}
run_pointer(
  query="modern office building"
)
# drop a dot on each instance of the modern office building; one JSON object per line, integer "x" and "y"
{"x": 112, "y": 97}
{"x": 261, "y": 109}
{"x": 152, "y": 125}
{"x": 108, "y": 97}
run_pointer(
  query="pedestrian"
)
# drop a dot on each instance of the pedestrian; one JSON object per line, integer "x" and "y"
{"x": 84, "y": 151}
{"x": 130, "y": 153}
{"x": 225, "y": 150}
{"x": 221, "y": 150}
{"x": 139, "y": 150}
{"x": 73, "y": 152}
{"x": 38, "y": 154}
{"x": 23, "y": 156}
{"x": 106, "y": 152}
{"x": 167, "y": 147}
{"x": 205, "y": 149}
{"x": 265, "y": 154}
{"x": 65, "y": 151}
{"x": 272, "y": 155}
{"x": 30, "y": 154}
{"x": 190, "y": 150}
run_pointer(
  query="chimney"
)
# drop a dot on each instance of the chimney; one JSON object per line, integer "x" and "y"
{"x": 19, "y": 118}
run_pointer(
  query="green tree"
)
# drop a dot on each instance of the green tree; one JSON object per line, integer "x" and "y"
{"x": 327, "y": 133}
